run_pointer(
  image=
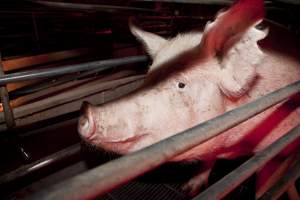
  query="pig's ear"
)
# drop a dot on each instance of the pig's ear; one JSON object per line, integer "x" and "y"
{"x": 238, "y": 67}
{"x": 151, "y": 42}
{"x": 229, "y": 26}
{"x": 232, "y": 40}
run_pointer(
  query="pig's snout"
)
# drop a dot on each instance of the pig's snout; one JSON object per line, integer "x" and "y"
{"x": 86, "y": 126}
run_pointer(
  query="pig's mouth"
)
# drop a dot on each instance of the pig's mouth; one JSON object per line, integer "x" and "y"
{"x": 86, "y": 128}
{"x": 123, "y": 146}
{"x": 128, "y": 140}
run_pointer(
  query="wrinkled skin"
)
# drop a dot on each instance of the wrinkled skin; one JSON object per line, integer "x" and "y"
{"x": 195, "y": 77}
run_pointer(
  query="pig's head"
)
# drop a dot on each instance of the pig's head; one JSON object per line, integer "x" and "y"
{"x": 187, "y": 83}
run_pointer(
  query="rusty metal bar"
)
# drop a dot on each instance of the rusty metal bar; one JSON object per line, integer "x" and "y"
{"x": 8, "y": 113}
{"x": 117, "y": 172}
{"x": 236, "y": 177}
{"x": 47, "y": 73}
{"x": 40, "y": 164}
{"x": 283, "y": 184}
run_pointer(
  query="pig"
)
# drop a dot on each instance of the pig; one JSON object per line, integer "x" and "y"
{"x": 195, "y": 77}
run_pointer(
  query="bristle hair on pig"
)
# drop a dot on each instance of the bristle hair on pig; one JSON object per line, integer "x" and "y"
{"x": 195, "y": 77}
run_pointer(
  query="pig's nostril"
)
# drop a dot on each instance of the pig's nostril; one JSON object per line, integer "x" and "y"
{"x": 85, "y": 124}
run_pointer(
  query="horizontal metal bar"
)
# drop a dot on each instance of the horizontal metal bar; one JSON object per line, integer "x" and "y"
{"x": 71, "y": 101}
{"x": 236, "y": 177}
{"x": 282, "y": 185}
{"x": 112, "y": 174}
{"x": 47, "y": 73}
{"x": 40, "y": 164}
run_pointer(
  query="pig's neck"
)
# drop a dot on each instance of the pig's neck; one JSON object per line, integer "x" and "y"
{"x": 277, "y": 71}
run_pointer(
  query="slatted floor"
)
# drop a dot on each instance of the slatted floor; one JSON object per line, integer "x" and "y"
{"x": 140, "y": 190}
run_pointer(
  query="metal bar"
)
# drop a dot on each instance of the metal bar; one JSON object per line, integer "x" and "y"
{"x": 40, "y": 164}
{"x": 47, "y": 73}
{"x": 50, "y": 83}
{"x": 112, "y": 174}
{"x": 8, "y": 113}
{"x": 236, "y": 177}
{"x": 70, "y": 100}
{"x": 275, "y": 176}
{"x": 282, "y": 185}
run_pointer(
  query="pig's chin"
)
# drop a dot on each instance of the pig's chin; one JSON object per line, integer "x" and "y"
{"x": 125, "y": 146}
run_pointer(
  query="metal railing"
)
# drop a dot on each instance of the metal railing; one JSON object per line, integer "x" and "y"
{"x": 96, "y": 66}
{"x": 236, "y": 177}
{"x": 117, "y": 172}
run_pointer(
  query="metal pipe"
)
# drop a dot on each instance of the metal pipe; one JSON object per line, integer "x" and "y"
{"x": 48, "y": 84}
{"x": 236, "y": 177}
{"x": 112, "y": 174}
{"x": 40, "y": 164}
{"x": 47, "y": 73}
{"x": 282, "y": 185}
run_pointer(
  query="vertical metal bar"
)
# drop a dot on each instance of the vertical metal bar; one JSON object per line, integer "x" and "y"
{"x": 8, "y": 113}
{"x": 9, "y": 116}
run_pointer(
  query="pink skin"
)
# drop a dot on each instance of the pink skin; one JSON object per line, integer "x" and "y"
{"x": 131, "y": 123}
{"x": 188, "y": 83}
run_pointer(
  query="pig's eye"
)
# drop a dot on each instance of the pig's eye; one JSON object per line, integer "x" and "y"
{"x": 181, "y": 85}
